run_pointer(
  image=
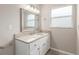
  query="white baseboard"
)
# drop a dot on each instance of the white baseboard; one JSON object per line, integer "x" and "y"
{"x": 63, "y": 52}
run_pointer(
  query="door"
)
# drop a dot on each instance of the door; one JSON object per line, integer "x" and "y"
{"x": 44, "y": 45}
{"x": 34, "y": 48}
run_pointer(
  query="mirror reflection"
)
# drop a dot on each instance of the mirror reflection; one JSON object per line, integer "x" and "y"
{"x": 29, "y": 21}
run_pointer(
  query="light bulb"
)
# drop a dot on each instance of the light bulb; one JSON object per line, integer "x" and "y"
{"x": 28, "y": 7}
{"x": 32, "y": 9}
{"x": 35, "y": 10}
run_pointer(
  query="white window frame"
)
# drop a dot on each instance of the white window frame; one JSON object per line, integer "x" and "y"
{"x": 62, "y": 17}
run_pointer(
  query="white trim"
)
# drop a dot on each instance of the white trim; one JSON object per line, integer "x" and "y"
{"x": 61, "y": 51}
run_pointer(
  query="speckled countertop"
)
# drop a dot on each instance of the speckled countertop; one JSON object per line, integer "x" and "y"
{"x": 31, "y": 38}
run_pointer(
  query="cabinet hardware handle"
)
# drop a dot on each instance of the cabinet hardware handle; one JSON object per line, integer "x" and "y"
{"x": 35, "y": 45}
{"x": 44, "y": 44}
{"x": 38, "y": 48}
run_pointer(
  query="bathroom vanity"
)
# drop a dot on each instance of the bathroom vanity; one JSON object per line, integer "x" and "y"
{"x": 33, "y": 44}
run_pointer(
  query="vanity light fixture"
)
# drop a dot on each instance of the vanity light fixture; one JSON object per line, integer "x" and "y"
{"x": 28, "y": 7}
{"x": 32, "y": 9}
{"x": 36, "y": 10}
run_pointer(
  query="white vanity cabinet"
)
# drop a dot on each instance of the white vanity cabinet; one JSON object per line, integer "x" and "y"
{"x": 37, "y": 47}
{"x": 44, "y": 45}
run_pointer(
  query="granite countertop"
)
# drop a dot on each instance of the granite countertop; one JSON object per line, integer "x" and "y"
{"x": 31, "y": 38}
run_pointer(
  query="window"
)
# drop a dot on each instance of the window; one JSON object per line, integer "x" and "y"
{"x": 62, "y": 17}
{"x": 30, "y": 21}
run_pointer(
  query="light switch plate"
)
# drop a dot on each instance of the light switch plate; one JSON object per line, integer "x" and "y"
{"x": 10, "y": 27}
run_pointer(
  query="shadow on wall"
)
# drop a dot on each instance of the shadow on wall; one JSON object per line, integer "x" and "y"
{"x": 52, "y": 42}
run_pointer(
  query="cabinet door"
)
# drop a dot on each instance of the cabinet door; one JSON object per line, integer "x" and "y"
{"x": 48, "y": 42}
{"x": 34, "y": 48}
{"x": 44, "y": 46}
{"x": 21, "y": 48}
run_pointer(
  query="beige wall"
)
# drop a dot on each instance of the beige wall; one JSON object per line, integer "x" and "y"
{"x": 9, "y": 24}
{"x": 78, "y": 29}
{"x": 62, "y": 39}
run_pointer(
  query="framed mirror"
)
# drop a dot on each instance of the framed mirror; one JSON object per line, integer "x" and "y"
{"x": 29, "y": 21}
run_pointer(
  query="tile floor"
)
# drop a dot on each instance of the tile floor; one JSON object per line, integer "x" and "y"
{"x": 52, "y": 52}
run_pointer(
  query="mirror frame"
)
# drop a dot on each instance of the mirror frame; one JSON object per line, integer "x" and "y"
{"x": 22, "y": 28}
